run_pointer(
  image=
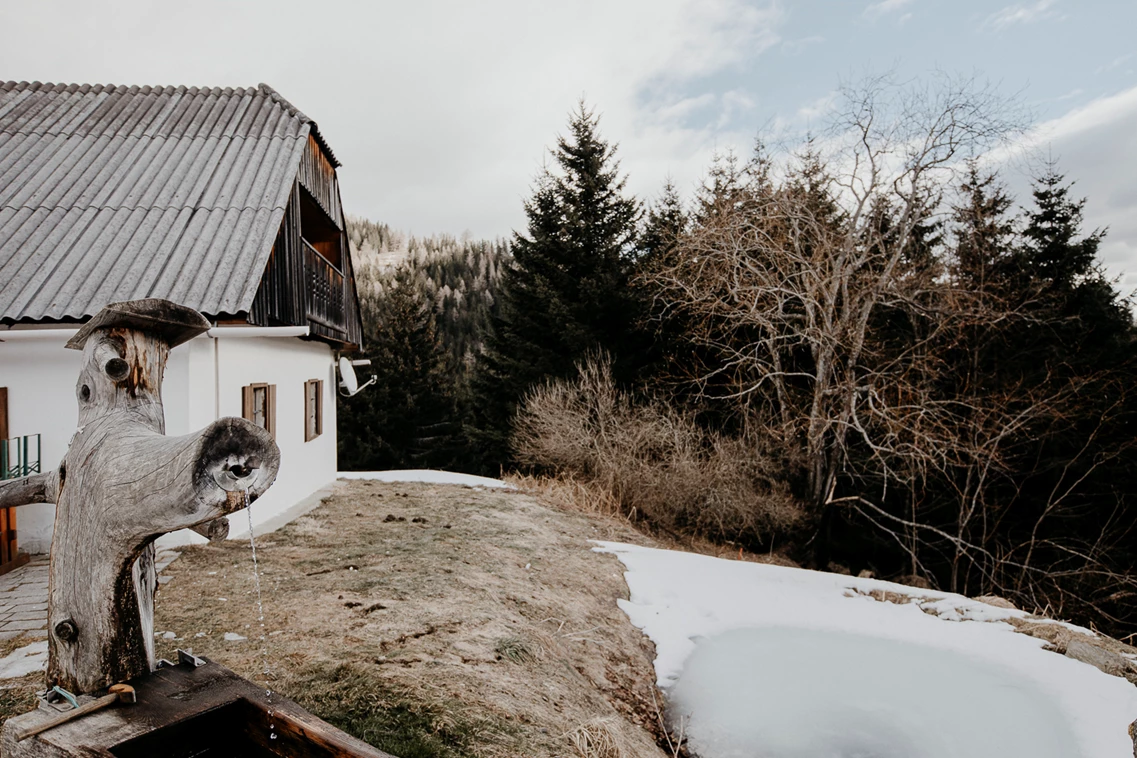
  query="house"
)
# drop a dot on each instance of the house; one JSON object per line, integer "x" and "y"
{"x": 224, "y": 200}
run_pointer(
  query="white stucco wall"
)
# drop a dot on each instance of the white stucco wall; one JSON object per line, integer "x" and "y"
{"x": 203, "y": 382}
{"x": 286, "y": 362}
{"x": 40, "y": 377}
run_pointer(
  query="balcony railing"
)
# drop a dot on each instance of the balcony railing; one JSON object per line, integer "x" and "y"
{"x": 19, "y": 456}
{"x": 325, "y": 298}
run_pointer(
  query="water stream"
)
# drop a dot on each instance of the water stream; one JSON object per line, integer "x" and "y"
{"x": 260, "y": 618}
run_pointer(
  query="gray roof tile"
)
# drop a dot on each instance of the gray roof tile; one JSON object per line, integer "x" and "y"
{"x": 112, "y": 193}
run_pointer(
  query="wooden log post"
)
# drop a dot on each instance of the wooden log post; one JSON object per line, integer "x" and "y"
{"x": 122, "y": 484}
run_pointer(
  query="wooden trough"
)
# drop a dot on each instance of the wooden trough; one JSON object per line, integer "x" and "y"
{"x": 122, "y": 484}
{"x": 193, "y": 709}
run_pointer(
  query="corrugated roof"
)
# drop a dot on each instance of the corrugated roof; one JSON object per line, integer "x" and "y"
{"x": 111, "y": 193}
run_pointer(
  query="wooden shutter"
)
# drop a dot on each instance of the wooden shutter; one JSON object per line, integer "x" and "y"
{"x": 319, "y": 407}
{"x": 270, "y": 411}
{"x": 249, "y": 409}
{"x": 3, "y": 413}
{"x": 247, "y": 402}
{"x": 313, "y": 409}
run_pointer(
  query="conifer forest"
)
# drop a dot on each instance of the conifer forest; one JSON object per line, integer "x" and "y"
{"x": 860, "y": 349}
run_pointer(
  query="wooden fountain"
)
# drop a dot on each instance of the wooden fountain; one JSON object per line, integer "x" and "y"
{"x": 121, "y": 485}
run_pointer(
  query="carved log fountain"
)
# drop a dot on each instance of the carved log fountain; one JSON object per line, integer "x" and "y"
{"x": 121, "y": 485}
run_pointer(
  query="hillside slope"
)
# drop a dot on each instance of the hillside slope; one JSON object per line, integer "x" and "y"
{"x": 431, "y": 620}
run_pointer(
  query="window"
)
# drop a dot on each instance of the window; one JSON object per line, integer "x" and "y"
{"x": 258, "y": 404}
{"x": 313, "y": 409}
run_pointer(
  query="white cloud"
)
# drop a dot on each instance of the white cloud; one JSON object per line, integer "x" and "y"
{"x": 1090, "y": 143}
{"x": 440, "y": 110}
{"x": 1115, "y": 63}
{"x": 1020, "y": 14}
{"x": 884, "y": 7}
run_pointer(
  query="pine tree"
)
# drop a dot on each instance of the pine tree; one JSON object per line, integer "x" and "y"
{"x": 567, "y": 291}
{"x": 1089, "y": 319}
{"x": 665, "y": 222}
{"x": 407, "y": 419}
{"x": 984, "y": 232}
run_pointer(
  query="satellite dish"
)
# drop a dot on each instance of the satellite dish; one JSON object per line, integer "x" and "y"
{"x": 349, "y": 383}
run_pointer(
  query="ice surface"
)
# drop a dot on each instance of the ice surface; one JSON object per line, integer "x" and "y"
{"x": 427, "y": 476}
{"x": 793, "y": 693}
{"x": 778, "y": 662}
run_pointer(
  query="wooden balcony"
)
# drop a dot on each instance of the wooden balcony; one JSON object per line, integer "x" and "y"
{"x": 325, "y": 294}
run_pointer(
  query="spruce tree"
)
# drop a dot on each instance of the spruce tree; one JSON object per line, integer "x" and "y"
{"x": 407, "y": 419}
{"x": 567, "y": 291}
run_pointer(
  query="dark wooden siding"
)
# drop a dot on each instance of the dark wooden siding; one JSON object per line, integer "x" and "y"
{"x": 302, "y": 288}
{"x": 351, "y": 295}
{"x": 318, "y": 176}
{"x": 280, "y": 299}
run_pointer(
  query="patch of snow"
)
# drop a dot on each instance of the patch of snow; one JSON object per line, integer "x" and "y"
{"x": 234, "y": 637}
{"x": 789, "y": 663}
{"x": 427, "y": 476}
{"x": 24, "y": 660}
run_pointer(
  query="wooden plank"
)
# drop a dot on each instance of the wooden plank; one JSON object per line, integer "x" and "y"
{"x": 3, "y": 413}
{"x": 185, "y": 711}
{"x": 270, "y": 411}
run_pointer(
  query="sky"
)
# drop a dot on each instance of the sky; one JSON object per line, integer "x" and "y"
{"x": 442, "y": 112}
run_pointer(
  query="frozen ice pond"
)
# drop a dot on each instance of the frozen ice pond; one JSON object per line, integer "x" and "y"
{"x": 778, "y": 662}
{"x": 793, "y": 693}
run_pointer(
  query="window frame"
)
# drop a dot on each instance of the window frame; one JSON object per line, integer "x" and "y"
{"x": 248, "y": 411}
{"x": 313, "y": 417}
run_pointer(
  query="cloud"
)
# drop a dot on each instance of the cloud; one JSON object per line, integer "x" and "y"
{"x": 884, "y": 7}
{"x": 1020, "y": 14}
{"x": 441, "y": 111}
{"x": 1115, "y": 63}
{"x": 1090, "y": 143}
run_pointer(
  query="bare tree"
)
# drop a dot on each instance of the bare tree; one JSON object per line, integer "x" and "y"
{"x": 784, "y": 285}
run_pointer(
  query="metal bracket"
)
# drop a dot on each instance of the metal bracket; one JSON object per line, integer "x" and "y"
{"x": 186, "y": 656}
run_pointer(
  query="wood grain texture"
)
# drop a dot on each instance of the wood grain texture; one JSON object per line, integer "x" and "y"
{"x": 183, "y": 711}
{"x": 123, "y": 483}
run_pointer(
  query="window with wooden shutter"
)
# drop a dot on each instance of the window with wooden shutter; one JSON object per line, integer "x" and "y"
{"x": 258, "y": 404}
{"x": 313, "y": 409}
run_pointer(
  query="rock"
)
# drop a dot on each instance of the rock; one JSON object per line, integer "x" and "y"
{"x": 998, "y": 602}
{"x": 1103, "y": 660}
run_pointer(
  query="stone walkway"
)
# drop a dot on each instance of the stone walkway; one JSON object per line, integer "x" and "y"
{"x": 23, "y": 600}
{"x": 23, "y": 596}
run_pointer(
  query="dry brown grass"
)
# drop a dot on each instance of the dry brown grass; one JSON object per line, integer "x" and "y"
{"x": 567, "y": 493}
{"x": 655, "y": 463}
{"x": 489, "y": 629}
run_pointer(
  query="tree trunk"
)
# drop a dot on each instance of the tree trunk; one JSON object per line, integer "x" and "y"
{"x": 122, "y": 484}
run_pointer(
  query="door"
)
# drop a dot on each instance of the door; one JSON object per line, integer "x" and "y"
{"x": 10, "y": 555}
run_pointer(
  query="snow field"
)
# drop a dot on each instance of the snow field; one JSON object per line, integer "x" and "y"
{"x": 778, "y": 662}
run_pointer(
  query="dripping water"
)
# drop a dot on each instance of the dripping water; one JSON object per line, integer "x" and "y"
{"x": 260, "y": 617}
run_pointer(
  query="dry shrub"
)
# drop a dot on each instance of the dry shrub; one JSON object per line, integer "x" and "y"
{"x": 656, "y": 462}
{"x": 596, "y": 739}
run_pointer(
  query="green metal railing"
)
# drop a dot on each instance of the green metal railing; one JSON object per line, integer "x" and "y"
{"x": 19, "y": 456}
